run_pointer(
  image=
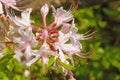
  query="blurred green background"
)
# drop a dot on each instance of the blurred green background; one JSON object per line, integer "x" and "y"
{"x": 103, "y": 16}
{"x": 105, "y": 19}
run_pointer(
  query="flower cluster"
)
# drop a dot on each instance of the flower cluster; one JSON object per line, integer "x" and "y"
{"x": 58, "y": 39}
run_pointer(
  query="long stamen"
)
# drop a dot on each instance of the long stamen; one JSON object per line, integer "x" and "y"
{"x": 89, "y": 34}
{"x": 73, "y": 7}
{"x": 87, "y": 38}
{"x": 82, "y": 56}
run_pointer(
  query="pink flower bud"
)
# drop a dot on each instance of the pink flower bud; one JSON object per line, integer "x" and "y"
{"x": 44, "y": 10}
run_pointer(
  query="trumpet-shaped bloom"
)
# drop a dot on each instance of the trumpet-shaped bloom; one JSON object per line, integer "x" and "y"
{"x": 25, "y": 42}
{"x": 61, "y": 15}
{"x": 11, "y": 3}
{"x": 70, "y": 42}
{"x": 68, "y": 48}
{"x": 24, "y": 20}
{"x": 26, "y": 38}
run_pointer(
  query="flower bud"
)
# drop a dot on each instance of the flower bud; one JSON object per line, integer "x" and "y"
{"x": 44, "y": 10}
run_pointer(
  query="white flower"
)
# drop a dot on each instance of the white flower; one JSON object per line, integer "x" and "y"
{"x": 1, "y": 8}
{"x": 70, "y": 42}
{"x": 11, "y": 3}
{"x": 26, "y": 16}
{"x": 61, "y": 15}
{"x": 27, "y": 38}
{"x": 36, "y": 54}
{"x": 18, "y": 55}
{"x": 43, "y": 52}
{"x": 61, "y": 55}
{"x": 75, "y": 37}
{"x": 30, "y": 56}
{"x": 44, "y": 10}
{"x": 25, "y": 43}
{"x": 65, "y": 28}
{"x": 24, "y": 20}
{"x": 69, "y": 48}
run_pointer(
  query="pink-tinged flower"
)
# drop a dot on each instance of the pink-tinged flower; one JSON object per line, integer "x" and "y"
{"x": 37, "y": 54}
{"x": 61, "y": 54}
{"x": 65, "y": 28}
{"x": 11, "y": 3}
{"x": 24, "y": 20}
{"x": 26, "y": 38}
{"x": 75, "y": 37}
{"x": 28, "y": 56}
{"x": 70, "y": 42}
{"x": 61, "y": 15}
{"x": 18, "y": 55}
{"x": 68, "y": 48}
{"x": 1, "y": 8}
{"x": 44, "y": 10}
{"x": 43, "y": 52}
{"x": 26, "y": 42}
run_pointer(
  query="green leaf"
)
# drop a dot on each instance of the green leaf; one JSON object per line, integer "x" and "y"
{"x": 66, "y": 66}
{"x": 10, "y": 65}
{"x": 7, "y": 51}
{"x": 102, "y": 23}
{"x": 3, "y": 76}
{"x": 51, "y": 61}
{"x": 111, "y": 12}
{"x": 6, "y": 58}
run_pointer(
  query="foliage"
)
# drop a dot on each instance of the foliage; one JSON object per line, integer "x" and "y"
{"x": 105, "y": 46}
